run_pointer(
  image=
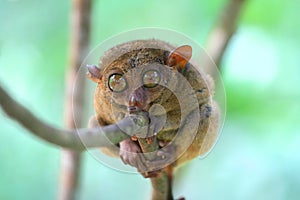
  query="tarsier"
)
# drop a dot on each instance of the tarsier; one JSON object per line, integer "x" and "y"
{"x": 138, "y": 74}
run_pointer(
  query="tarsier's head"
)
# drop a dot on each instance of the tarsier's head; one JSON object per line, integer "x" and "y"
{"x": 137, "y": 74}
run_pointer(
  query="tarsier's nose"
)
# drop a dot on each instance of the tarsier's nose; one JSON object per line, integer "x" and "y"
{"x": 137, "y": 101}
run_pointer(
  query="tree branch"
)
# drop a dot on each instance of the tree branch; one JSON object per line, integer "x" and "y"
{"x": 77, "y": 140}
{"x": 224, "y": 29}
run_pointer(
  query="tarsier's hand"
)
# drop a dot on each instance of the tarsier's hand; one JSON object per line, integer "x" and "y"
{"x": 163, "y": 157}
{"x": 131, "y": 154}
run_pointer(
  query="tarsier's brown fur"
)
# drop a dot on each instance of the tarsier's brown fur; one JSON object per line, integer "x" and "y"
{"x": 111, "y": 107}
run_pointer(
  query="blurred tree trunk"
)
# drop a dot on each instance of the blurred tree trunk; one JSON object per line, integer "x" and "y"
{"x": 79, "y": 41}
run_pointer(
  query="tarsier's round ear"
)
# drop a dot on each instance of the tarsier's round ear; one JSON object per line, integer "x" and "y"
{"x": 94, "y": 73}
{"x": 179, "y": 57}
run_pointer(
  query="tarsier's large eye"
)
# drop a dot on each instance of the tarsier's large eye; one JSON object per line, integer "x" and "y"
{"x": 151, "y": 78}
{"x": 117, "y": 83}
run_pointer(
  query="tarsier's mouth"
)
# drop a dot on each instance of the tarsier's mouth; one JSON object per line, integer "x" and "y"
{"x": 135, "y": 103}
{"x": 133, "y": 109}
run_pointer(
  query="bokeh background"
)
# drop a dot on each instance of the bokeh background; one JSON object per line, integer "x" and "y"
{"x": 257, "y": 155}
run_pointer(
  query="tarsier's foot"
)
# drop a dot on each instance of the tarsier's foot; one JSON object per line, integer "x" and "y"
{"x": 154, "y": 167}
{"x": 164, "y": 157}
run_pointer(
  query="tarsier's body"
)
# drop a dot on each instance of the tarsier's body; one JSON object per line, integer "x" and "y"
{"x": 146, "y": 85}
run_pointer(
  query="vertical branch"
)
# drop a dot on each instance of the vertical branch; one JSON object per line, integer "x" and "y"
{"x": 79, "y": 39}
{"x": 161, "y": 187}
{"x": 160, "y": 184}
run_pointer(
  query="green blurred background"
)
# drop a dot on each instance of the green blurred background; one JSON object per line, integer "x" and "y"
{"x": 257, "y": 156}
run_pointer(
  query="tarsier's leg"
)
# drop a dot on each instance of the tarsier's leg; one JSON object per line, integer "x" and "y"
{"x": 206, "y": 135}
{"x": 212, "y": 132}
